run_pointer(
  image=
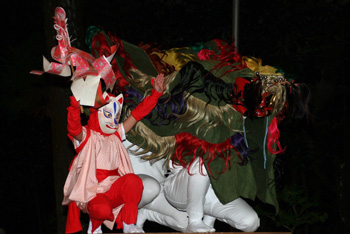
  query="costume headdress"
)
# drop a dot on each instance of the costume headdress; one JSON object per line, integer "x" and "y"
{"x": 86, "y": 86}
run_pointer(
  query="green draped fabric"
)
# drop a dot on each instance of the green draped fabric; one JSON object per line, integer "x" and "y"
{"x": 252, "y": 180}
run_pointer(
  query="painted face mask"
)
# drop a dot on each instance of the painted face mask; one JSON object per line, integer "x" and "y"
{"x": 109, "y": 115}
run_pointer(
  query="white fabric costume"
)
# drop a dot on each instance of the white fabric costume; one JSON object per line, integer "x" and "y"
{"x": 185, "y": 195}
{"x": 159, "y": 210}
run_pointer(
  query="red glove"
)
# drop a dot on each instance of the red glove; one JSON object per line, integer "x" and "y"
{"x": 146, "y": 106}
{"x": 74, "y": 123}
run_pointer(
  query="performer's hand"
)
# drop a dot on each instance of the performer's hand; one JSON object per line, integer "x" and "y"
{"x": 158, "y": 83}
{"x": 146, "y": 106}
{"x": 73, "y": 102}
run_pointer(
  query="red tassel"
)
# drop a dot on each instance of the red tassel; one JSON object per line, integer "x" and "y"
{"x": 189, "y": 145}
{"x": 228, "y": 56}
{"x": 273, "y": 138}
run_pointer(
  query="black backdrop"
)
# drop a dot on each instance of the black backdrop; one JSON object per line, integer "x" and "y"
{"x": 307, "y": 39}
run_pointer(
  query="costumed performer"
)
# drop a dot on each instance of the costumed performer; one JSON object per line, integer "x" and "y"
{"x": 159, "y": 210}
{"x": 189, "y": 189}
{"x": 169, "y": 207}
{"x": 101, "y": 181}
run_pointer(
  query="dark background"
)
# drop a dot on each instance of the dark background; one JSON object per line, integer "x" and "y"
{"x": 308, "y": 39}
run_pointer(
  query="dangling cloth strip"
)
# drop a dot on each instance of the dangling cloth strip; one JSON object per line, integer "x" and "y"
{"x": 245, "y": 133}
{"x": 265, "y": 137}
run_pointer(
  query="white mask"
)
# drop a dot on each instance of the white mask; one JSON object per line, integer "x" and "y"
{"x": 109, "y": 115}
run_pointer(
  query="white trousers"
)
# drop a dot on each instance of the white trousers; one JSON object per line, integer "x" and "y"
{"x": 160, "y": 211}
{"x": 237, "y": 213}
{"x": 193, "y": 193}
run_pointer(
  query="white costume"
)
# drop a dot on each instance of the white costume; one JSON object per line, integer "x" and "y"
{"x": 189, "y": 195}
{"x": 159, "y": 210}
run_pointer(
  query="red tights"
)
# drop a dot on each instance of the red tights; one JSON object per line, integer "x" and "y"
{"x": 126, "y": 190}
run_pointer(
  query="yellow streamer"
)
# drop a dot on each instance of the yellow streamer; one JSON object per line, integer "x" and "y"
{"x": 255, "y": 65}
{"x": 176, "y": 58}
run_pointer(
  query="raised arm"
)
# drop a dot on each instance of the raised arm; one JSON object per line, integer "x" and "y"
{"x": 74, "y": 127}
{"x": 147, "y": 105}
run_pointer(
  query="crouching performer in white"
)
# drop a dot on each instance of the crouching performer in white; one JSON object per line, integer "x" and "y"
{"x": 187, "y": 202}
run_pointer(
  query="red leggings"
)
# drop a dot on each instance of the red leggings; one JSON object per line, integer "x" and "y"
{"x": 126, "y": 190}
